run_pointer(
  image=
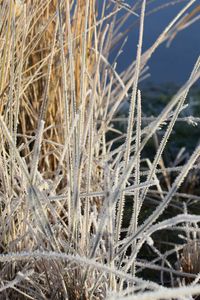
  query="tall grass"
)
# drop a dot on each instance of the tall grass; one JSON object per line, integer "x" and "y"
{"x": 67, "y": 173}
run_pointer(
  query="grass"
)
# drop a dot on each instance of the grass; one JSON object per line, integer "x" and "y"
{"x": 65, "y": 181}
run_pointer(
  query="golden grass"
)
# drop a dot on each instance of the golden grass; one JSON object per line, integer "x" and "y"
{"x": 63, "y": 183}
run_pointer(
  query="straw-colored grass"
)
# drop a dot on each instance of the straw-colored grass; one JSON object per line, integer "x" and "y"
{"x": 65, "y": 180}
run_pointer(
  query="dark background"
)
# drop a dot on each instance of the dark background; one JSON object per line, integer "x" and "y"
{"x": 167, "y": 65}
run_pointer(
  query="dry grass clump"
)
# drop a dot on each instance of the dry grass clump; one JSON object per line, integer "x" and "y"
{"x": 64, "y": 184}
{"x": 190, "y": 260}
{"x": 47, "y": 29}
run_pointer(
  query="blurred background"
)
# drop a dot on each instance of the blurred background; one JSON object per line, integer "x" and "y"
{"x": 169, "y": 64}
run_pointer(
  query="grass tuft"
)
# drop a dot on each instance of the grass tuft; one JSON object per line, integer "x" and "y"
{"x": 83, "y": 209}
